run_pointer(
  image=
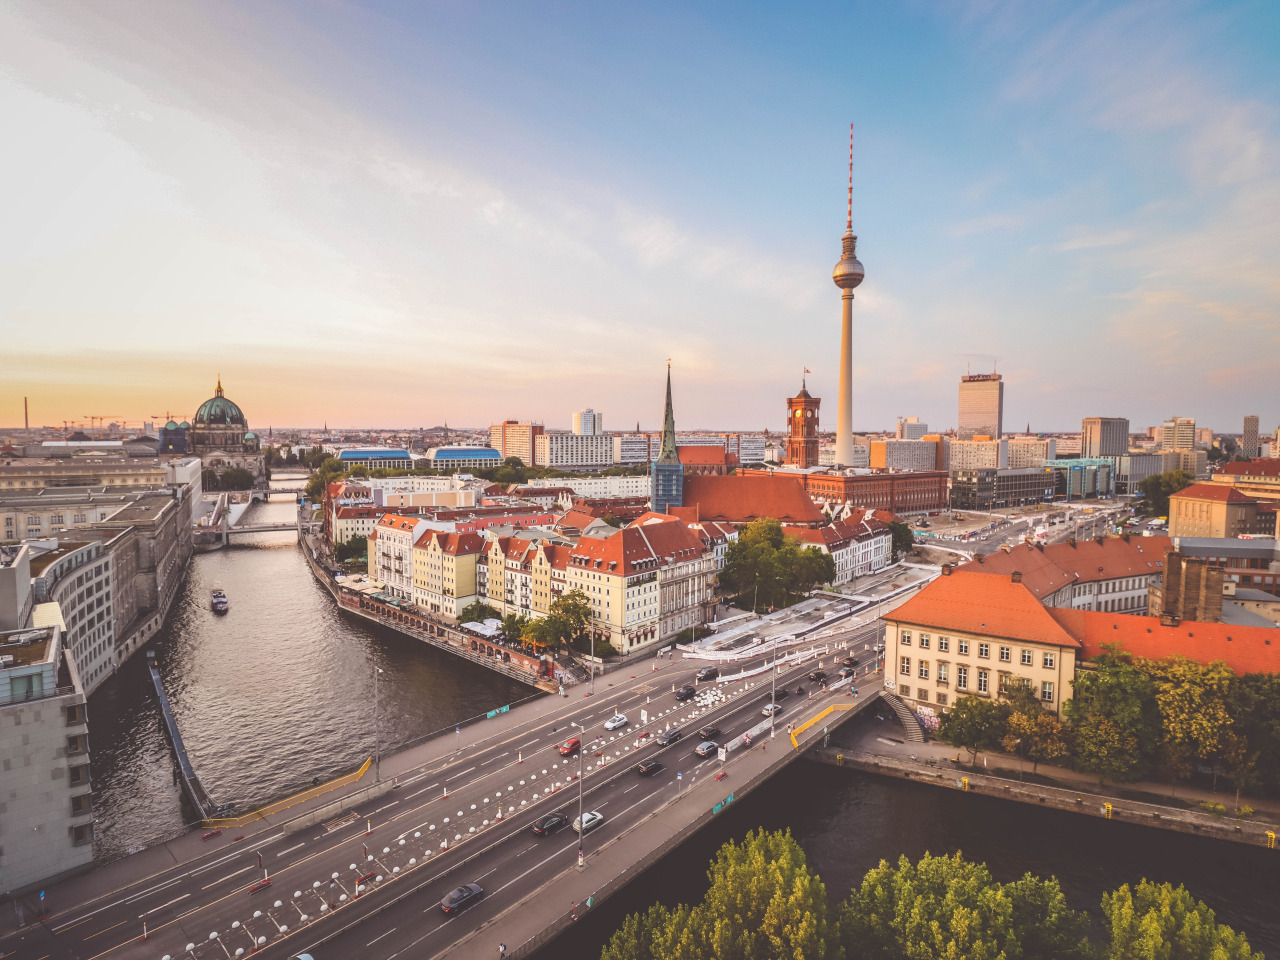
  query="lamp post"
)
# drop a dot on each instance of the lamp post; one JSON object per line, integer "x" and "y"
{"x": 582, "y": 833}
{"x": 1018, "y": 743}
{"x": 377, "y": 739}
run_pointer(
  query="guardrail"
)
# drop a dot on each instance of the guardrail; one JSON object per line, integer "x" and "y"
{"x": 287, "y": 802}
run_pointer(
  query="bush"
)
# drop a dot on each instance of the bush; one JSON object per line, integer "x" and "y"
{"x": 1216, "y": 809}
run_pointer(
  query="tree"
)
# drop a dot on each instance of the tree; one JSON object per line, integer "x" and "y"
{"x": 477, "y": 612}
{"x": 1114, "y": 719}
{"x": 1157, "y": 488}
{"x": 574, "y": 613}
{"x": 1159, "y": 920}
{"x": 1192, "y": 700}
{"x": 513, "y": 625}
{"x": 903, "y": 539}
{"x": 949, "y": 907}
{"x": 763, "y": 902}
{"x": 1036, "y": 734}
{"x": 974, "y": 723}
{"x": 1254, "y": 703}
{"x": 236, "y": 478}
{"x": 770, "y": 567}
{"x": 352, "y": 549}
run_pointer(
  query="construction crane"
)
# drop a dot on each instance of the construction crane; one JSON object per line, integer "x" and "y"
{"x": 96, "y": 422}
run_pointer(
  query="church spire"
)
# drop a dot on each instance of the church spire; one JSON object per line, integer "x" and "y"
{"x": 218, "y": 391}
{"x": 667, "y": 453}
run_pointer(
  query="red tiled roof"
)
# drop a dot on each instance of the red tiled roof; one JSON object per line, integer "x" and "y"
{"x": 457, "y": 544}
{"x": 982, "y": 603}
{"x": 741, "y": 499}
{"x": 1242, "y": 649}
{"x": 1046, "y": 571}
{"x": 578, "y": 519}
{"x": 634, "y": 549}
{"x": 1213, "y": 491}
{"x": 703, "y": 455}
{"x": 1258, "y": 467}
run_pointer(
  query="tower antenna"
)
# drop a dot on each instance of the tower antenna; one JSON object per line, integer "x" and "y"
{"x": 848, "y": 223}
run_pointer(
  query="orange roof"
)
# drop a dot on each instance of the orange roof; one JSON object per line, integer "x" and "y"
{"x": 1243, "y": 649}
{"x": 982, "y": 603}
{"x": 1046, "y": 571}
{"x": 1213, "y": 491}
{"x": 702, "y": 455}
{"x": 396, "y": 522}
{"x": 635, "y": 549}
{"x": 741, "y": 499}
{"x": 457, "y": 544}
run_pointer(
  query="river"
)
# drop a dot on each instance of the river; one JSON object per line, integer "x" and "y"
{"x": 280, "y": 690}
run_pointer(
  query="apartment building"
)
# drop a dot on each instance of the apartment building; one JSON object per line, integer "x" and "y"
{"x": 572, "y": 451}
{"x": 1103, "y": 437}
{"x": 1030, "y": 451}
{"x": 444, "y": 571}
{"x": 513, "y": 438}
{"x": 391, "y": 560}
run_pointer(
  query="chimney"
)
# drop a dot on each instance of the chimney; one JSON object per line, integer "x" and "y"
{"x": 1168, "y": 620}
{"x": 1072, "y": 541}
{"x": 946, "y": 569}
{"x": 1016, "y": 576}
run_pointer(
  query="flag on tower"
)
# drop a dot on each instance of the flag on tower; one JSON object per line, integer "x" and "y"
{"x": 807, "y": 370}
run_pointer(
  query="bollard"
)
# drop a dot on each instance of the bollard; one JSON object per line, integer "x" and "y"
{"x": 368, "y": 827}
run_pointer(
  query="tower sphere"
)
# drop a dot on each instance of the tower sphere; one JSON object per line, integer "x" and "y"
{"x": 848, "y": 272}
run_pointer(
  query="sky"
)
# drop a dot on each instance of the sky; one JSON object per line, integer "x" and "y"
{"x": 399, "y": 215}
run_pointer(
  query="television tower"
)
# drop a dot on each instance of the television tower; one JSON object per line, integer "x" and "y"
{"x": 847, "y": 275}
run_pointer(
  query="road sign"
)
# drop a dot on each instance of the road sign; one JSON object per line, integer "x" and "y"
{"x": 679, "y": 776}
{"x": 644, "y": 716}
{"x": 41, "y": 894}
{"x": 723, "y": 753}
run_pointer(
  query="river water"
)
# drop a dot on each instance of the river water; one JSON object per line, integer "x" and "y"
{"x": 280, "y": 690}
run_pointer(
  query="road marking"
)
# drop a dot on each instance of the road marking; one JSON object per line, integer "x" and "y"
{"x": 629, "y": 789}
{"x": 385, "y": 806}
{"x": 380, "y": 936}
{"x": 526, "y": 850}
{"x": 296, "y": 846}
{"x": 498, "y": 757}
{"x": 462, "y": 774}
{"x": 229, "y": 876}
{"x": 483, "y": 875}
{"x": 163, "y": 905}
{"x": 422, "y": 791}
{"x": 104, "y": 930}
{"x": 147, "y": 893}
{"x": 529, "y": 744}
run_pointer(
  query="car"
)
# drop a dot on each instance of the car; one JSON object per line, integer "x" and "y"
{"x": 669, "y": 737}
{"x": 685, "y": 693}
{"x": 707, "y": 749}
{"x": 648, "y": 768}
{"x": 781, "y": 694}
{"x": 846, "y": 672}
{"x": 708, "y": 673}
{"x": 849, "y": 661}
{"x": 616, "y": 721}
{"x": 589, "y": 822}
{"x": 460, "y": 897}
{"x": 570, "y": 747}
{"x": 817, "y": 676}
{"x": 771, "y": 710}
{"x": 551, "y": 823}
{"x": 709, "y": 732}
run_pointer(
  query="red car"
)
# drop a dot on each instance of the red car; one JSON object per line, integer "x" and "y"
{"x": 570, "y": 747}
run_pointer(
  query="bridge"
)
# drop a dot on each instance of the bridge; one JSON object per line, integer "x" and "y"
{"x": 361, "y": 875}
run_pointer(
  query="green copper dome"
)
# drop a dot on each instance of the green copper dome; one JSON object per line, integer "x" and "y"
{"x": 219, "y": 410}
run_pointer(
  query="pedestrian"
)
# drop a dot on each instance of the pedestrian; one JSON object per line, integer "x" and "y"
{"x": 502, "y": 951}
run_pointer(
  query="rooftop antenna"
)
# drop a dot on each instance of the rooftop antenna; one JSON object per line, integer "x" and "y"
{"x": 848, "y": 223}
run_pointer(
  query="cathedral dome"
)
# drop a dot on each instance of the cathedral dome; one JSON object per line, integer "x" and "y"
{"x": 218, "y": 410}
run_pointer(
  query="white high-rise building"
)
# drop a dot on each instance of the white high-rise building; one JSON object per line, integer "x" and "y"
{"x": 588, "y": 423}
{"x": 1178, "y": 433}
{"x": 981, "y": 406}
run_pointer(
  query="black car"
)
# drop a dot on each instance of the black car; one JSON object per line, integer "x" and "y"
{"x": 685, "y": 693}
{"x": 461, "y": 897}
{"x": 847, "y": 672}
{"x": 781, "y": 694}
{"x": 817, "y": 676}
{"x": 708, "y": 673}
{"x": 551, "y": 823}
{"x": 648, "y": 768}
{"x": 669, "y": 737}
{"x": 709, "y": 733}
{"x": 849, "y": 662}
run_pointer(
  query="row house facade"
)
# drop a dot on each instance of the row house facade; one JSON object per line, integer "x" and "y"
{"x": 444, "y": 571}
{"x": 856, "y": 549}
{"x": 391, "y": 546}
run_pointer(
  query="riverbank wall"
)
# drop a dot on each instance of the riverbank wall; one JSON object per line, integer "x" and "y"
{"x": 1100, "y": 806}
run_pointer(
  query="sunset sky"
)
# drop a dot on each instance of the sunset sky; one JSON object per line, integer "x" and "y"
{"x": 403, "y": 214}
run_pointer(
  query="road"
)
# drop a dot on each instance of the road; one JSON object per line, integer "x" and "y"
{"x": 376, "y": 878}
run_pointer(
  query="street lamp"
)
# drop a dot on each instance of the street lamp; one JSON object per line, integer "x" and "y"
{"x": 1018, "y": 743}
{"x": 582, "y": 832}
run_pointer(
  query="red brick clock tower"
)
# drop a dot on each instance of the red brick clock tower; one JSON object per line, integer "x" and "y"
{"x": 802, "y": 429}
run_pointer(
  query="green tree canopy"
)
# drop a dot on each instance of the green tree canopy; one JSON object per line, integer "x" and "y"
{"x": 974, "y": 723}
{"x": 477, "y": 612}
{"x": 950, "y": 908}
{"x": 353, "y": 549}
{"x": 1115, "y": 722}
{"x": 1161, "y": 921}
{"x": 770, "y": 567}
{"x": 903, "y": 539}
{"x": 1157, "y": 488}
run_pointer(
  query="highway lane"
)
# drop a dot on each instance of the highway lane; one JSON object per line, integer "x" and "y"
{"x": 413, "y": 925}
{"x": 184, "y": 905}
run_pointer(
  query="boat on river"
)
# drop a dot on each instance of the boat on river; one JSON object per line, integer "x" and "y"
{"x": 218, "y": 601}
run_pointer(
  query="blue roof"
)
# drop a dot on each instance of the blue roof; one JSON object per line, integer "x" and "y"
{"x": 377, "y": 453}
{"x": 466, "y": 453}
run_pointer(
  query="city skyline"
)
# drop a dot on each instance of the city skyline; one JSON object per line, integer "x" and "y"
{"x": 279, "y": 199}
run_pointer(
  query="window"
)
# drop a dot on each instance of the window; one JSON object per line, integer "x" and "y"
{"x": 905, "y": 691}
{"x": 75, "y": 714}
{"x": 942, "y": 699}
{"x": 984, "y": 651}
{"x": 983, "y": 685}
{"x": 79, "y": 775}
{"x": 962, "y": 678}
{"x": 80, "y": 805}
{"x": 1006, "y": 654}
{"x": 962, "y": 647}
{"x": 924, "y": 669}
{"x": 905, "y": 638}
{"x": 904, "y": 667}
{"x": 1027, "y": 658}
{"x": 82, "y": 834}
{"x": 942, "y": 672}
{"x": 78, "y": 743}
{"x": 944, "y": 644}
{"x": 922, "y": 695}
{"x": 1046, "y": 691}
{"x": 924, "y": 641}
{"x": 1049, "y": 661}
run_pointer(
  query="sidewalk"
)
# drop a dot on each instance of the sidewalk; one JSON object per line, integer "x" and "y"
{"x": 73, "y": 896}
{"x": 870, "y": 737}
